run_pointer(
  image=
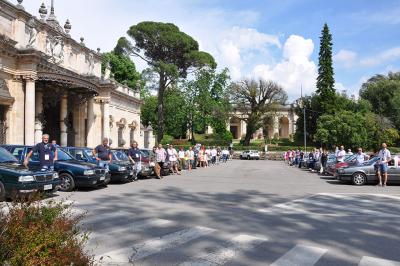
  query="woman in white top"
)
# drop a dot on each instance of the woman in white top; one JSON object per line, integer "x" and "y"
{"x": 190, "y": 156}
{"x": 181, "y": 155}
{"x": 173, "y": 159}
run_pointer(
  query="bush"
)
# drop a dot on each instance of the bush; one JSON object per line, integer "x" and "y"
{"x": 33, "y": 233}
{"x": 167, "y": 139}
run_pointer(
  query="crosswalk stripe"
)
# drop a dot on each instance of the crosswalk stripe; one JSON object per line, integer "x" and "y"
{"x": 153, "y": 246}
{"x": 300, "y": 255}
{"x": 227, "y": 253}
{"x": 371, "y": 261}
{"x": 133, "y": 227}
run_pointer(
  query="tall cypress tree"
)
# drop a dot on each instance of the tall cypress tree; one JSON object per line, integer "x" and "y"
{"x": 325, "y": 80}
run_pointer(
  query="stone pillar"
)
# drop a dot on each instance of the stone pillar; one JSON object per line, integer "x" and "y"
{"x": 38, "y": 116}
{"x": 106, "y": 119}
{"x": 63, "y": 119}
{"x": 90, "y": 122}
{"x": 276, "y": 126}
{"x": 30, "y": 112}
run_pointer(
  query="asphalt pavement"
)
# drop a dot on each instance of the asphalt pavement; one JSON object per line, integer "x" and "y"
{"x": 242, "y": 213}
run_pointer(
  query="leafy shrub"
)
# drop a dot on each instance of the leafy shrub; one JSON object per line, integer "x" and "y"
{"x": 33, "y": 233}
{"x": 167, "y": 139}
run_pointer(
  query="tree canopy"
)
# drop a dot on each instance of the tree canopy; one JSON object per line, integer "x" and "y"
{"x": 169, "y": 52}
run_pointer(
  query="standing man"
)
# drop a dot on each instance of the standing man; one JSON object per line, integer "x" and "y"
{"x": 173, "y": 159}
{"x": 47, "y": 154}
{"x": 154, "y": 164}
{"x": 102, "y": 154}
{"x": 340, "y": 155}
{"x": 361, "y": 157}
{"x": 135, "y": 156}
{"x": 161, "y": 155}
{"x": 384, "y": 159}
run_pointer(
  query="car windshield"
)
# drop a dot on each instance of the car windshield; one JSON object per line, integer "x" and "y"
{"x": 371, "y": 161}
{"x": 63, "y": 155}
{"x": 349, "y": 158}
{"x": 145, "y": 153}
{"x": 119, "y": 156}
{"x": 5, "y": 156}
{"x": 88, "y": 152}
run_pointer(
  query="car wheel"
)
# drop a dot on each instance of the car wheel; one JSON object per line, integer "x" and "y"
{"x": 248, "y": 157}
{"x": 359, "y": 179}
{"x": 67, "y": 182}
{"x": 241, "y": 157}
{"x": 2, "y": 192}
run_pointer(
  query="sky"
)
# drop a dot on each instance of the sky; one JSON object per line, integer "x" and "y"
{"x": 270, "y": 39}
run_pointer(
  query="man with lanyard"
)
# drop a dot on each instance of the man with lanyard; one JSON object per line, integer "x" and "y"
{"x": 47, "y": 154}
{"x": 102, "y": 154}
{"x": 135, "y": 156}
{"x": 361, "y": 157}
{"x": 384, "y": 159}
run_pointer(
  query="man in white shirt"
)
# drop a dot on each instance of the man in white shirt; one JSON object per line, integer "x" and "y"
{"x": 213, "y": 155}
{"x": 341, "y": 154}
{"x": 349, "y": 152}
{"x": 173, "y": 159}
{"x": 361, "y": 157}
{"x": 384, "y": 159}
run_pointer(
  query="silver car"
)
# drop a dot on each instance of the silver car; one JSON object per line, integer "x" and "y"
{"x": 366, "y": 173}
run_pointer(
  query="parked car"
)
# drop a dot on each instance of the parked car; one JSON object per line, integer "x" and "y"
{"x": 250, "y": 154}
{"x": 333, "y": 165}
{"x": 73, "y": 173}
{"x": 16, "y": 179}
{"x": 146, "y": 153}
{"x": 145, "y": 169}
{"x": 118, "y": 170}
{"x": 366, "y": 173}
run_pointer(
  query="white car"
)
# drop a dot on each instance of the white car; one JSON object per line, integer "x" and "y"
{"x": 251, "y": 154}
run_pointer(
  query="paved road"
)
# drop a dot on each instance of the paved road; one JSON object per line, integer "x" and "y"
{"x": 243, "y": 213}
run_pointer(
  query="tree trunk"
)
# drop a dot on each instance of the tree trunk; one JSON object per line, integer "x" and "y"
{"x": 160, "y": 108}
{"x": 249, "y": 133}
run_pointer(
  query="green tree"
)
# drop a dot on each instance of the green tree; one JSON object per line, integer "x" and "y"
{"x": 208, "y": 102}
{"x": 123, "y": 69}
{"x": 254, "y": 100}
{"x": 325, "y": 79}
{"x": 383, "y": 92}
{"x": 169, "y": 52}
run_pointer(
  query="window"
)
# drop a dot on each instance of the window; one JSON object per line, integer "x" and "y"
{"x": 17, "y": 152}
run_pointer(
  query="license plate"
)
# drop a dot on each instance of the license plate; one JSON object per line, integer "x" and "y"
{"x": 102, "y": 178}
{"x": 48, "y": 187}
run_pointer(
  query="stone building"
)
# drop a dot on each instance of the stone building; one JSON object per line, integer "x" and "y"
{"x": 50, "y": 83}
{"x": 283, "y": 124}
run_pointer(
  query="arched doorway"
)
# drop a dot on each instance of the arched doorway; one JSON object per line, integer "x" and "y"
{"x": 284, "y": 127}
{"x": 235, "y": 128}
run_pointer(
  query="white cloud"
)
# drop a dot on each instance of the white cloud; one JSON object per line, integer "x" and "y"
{"x": 345, "y": 58}
{"x": 296, "y": 69}
{"x": 383, "y": 57}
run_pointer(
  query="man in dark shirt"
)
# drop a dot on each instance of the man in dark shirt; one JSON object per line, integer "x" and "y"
{"x": 102, "y": 154}
{"x": 135, "y": 156}
{"x": 47, "y": 154}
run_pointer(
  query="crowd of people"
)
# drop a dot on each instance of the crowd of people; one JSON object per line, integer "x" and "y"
{"x": 191, "y": 158}
{"x": 320, "y": 156}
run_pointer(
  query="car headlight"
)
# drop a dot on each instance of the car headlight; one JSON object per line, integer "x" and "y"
{"x": 121, "y": 168}
{"x": 88, "y": 172}
{"x": 26, "y": 178}
{"x": 55, "y": 176}
{"x": 341, "y": 171}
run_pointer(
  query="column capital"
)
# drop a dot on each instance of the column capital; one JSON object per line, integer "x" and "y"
{"x": 29, "y": 77}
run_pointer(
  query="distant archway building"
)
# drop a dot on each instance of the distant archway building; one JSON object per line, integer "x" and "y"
{"x": 281, "y": 124}
{"x": 50, "y": 83}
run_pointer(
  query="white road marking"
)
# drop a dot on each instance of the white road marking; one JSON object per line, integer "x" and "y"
{"x": 300, "y": 255}
{"x": 132, "y": 227}
{"x": 227, "y": 253}
{"x": 153, "y": 246}
{"x": 371, "y": 261}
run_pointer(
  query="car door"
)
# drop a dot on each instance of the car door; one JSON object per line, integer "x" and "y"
{"x": 394, "y": 170}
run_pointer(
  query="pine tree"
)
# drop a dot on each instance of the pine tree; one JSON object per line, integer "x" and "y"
{"x": 325, "y": 80}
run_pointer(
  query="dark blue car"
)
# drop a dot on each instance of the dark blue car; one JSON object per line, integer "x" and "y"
{"x": 120, "y": 170}
{"x": 15, "y": 179}
{"x": 73, "y": 173}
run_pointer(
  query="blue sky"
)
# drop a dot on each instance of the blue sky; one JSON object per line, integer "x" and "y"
{"x": 277, "y": 40}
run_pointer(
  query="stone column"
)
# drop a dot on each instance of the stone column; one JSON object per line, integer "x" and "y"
{"x": 276, "y": 126}
{"x": 63, "y": 119}
{"x": 106, "y": 118}
{"x": 38, "y": 116}
{"x": 90, "y": 122}
{"x": 30, "y": 112}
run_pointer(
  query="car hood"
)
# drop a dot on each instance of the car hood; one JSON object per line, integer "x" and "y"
{"x": 76, "y": 163}
{"x": 15, "y": 167}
